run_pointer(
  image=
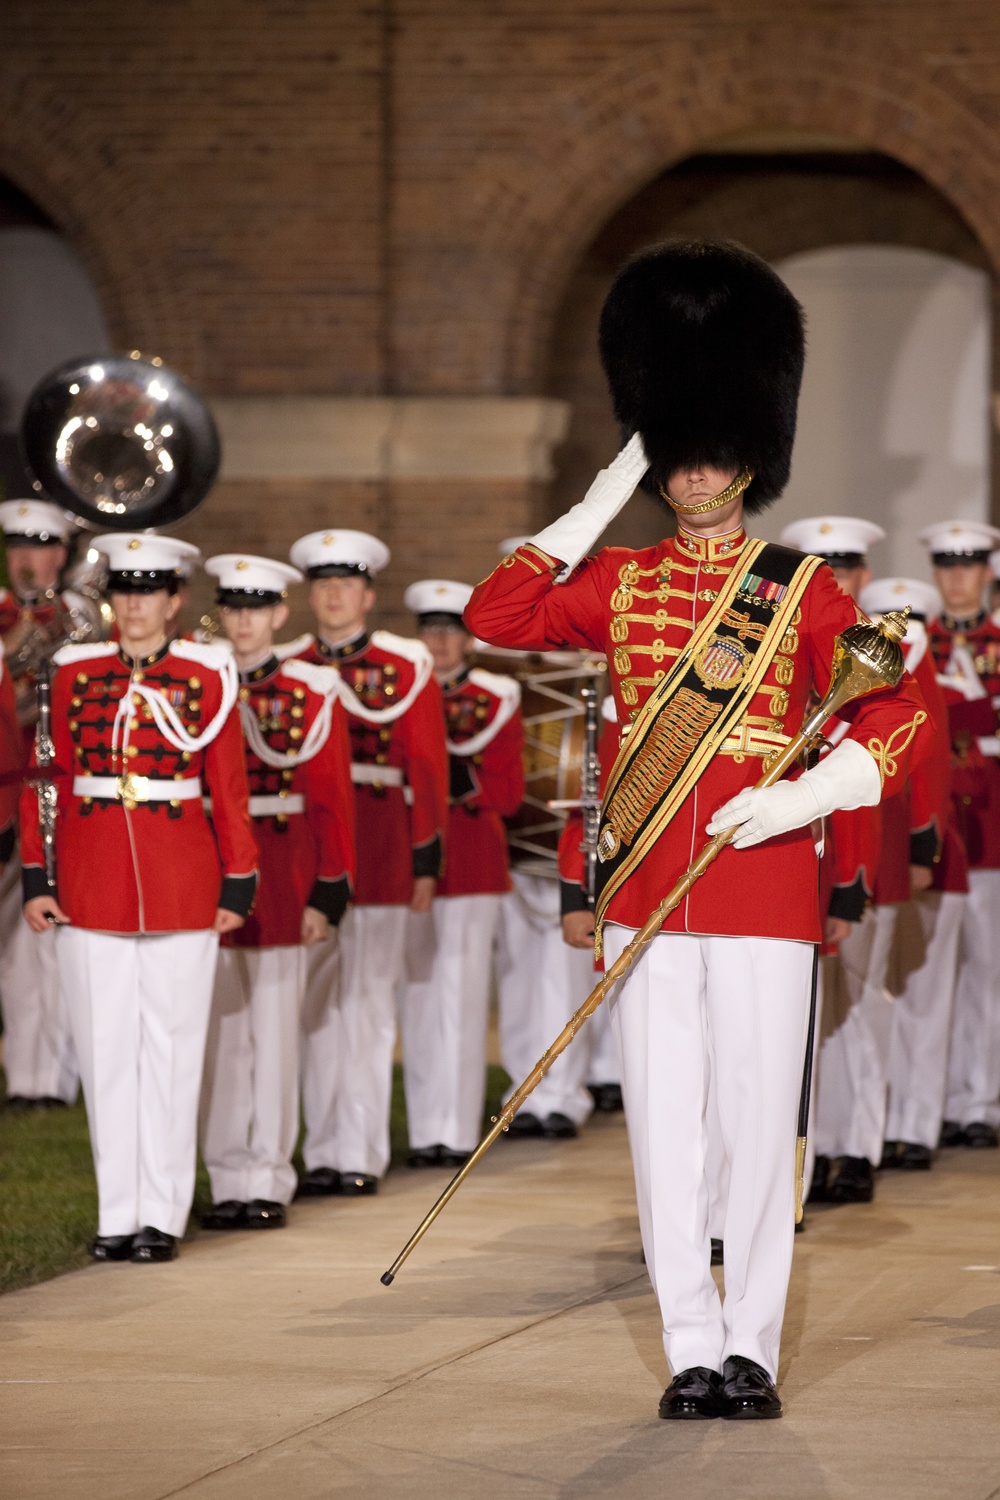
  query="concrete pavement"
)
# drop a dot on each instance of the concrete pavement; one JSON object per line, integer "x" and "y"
{"x": 518, "y": 1353}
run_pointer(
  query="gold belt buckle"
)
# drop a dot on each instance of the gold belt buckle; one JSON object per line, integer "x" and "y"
{"x": 132, "y": 789}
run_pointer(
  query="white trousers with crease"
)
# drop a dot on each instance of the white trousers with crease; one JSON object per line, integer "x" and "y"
{"x": 443, "y": 1011}
{"x": 38, "y": 1054}
{"x": 348, "y": 1036}
{"x": 740, "y": 1006}
{"x": 541, "y": 981}
{"x": 974, "y": 1062}
{"x": 250, "y": 1092}
{"x": 921, "y": 1021}
{"x": 139, "y": 1009}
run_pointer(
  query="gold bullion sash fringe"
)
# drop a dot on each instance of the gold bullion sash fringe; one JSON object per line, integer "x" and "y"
{"x": 669, "y": 743}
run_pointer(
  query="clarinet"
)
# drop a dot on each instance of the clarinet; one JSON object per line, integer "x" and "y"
{"x": 45, "y": 754}
{"x": 590, "y": 788}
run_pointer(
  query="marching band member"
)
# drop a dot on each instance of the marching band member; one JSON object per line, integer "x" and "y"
{"x": 302, "y": 810}
{"x": 930, "y": 914}
{"x": 965, "y": 643}
{"x": 38, "y": 1050}
{"x": 444, "y": 997}
{"x": 399, "y": 766}
{"x": 146, "y": 886}
{"x": 12, "y": 761}
{"x": 703, "y": 346}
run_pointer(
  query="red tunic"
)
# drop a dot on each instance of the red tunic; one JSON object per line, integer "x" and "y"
{"x": 653, "y": 599}
{"x": 143, "y": 866}
{"x": 975, "y": 776}
{"x": 399, "y": 762}
{"x": 305, "y": 851}
{"x": 487, "y": 785}
{"x": 12, "y": 762}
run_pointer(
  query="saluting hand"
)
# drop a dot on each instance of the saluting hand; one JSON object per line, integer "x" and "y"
{"x": 43, "y": 912}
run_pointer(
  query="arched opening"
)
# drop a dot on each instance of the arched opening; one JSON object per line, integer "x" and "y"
{"x": 887, "y": 228}
{"x": 49, "y": 312}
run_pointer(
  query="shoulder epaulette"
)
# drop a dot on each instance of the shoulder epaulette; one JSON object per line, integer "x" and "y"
{"x": 206, "y": 654}
{"x": 321, "y": 679}
{"x": 84, "y": 651}
{"x": 401, "y": 645}
{"x": 293, "y": 648}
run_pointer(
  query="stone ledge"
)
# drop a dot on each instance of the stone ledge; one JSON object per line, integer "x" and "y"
{"x": 374, "y": 437}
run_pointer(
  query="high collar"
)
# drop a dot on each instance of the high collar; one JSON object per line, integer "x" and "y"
{"x": 348, "y": 648}
{"x": 132, "y": 662}
{"x": 710, "y": 548}
{"x": 456, "y": 680}
{"x": 951, "y": 622}
{"x": 267, "y": 668}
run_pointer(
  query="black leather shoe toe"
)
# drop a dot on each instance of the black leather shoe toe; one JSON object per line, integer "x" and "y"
{"x": 952, "y": 1134}
{"x": 718, "y": 1253}
{"x": 819, "y": 1192}
{"x": 153, "y": 1245}
{"x": 18, "y": 1104}
{"x": 557, "y": 1127}
{"x": 980, "y": 1136}
{"x": 321, "y": 1182}
{"x": 229, "y": 1214}
{"x": 358, "y": 1185}
{"x": 112, "y": 1246}
{"x": 891, "y": 1156}
{"x": 262, "y": 1213}
{"x": 854, "y": 1182}
{"x": 914, "y": 1158}
{"x": 450, "y": 1158}
{"x": 425, "y": 1156}
{"x": 524, "y": 1125}
{"x": 748, "y": 1392}
{"x": 692, "y": 1395}
{"x": 607, "y": 1097}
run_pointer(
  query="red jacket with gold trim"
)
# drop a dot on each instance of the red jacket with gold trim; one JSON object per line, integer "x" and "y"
{"x": 484, "y": 735}
{"x": 399, "y": 763}
{"x": 130, "y": 860}
{"x": 640, "y": 609}
{"x": 973, "y": 722}
{"x": 302, "y": 814}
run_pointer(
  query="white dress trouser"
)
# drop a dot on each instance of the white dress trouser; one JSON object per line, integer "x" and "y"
{"x": 443, "y": 1009}
{"x": 348, "y": 1036}
{"x": 854, "y": 1063}
{"x": 604, "y": 1064}
{"x": 250, "y": 1092}
{"x": 139, "y": 1009}
{"x": 738, "y": 1006}
{"x": 921, "y": 1021}
{"x": 541, "y": 981}
{"x": 974, "y": 1064}
{"x": 38, "y": 1054}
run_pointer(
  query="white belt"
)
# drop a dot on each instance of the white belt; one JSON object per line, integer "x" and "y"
{"x": 276, "y": 805}
{"x": 132, "y": 788}
{"x": 363, "y": 773}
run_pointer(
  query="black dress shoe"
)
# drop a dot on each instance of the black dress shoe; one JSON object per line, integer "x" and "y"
{"x": 800, "y": 1226}
{"x": 154, "y": 1245}
{"x": 914, "y": 1158}
{"x": 524, "y": 1125}
{"x": 229, "y": 1214}
{"x": 263, "y": 1214}
{"x": 450, "y": 1158}
{"x": 952, "y": 1134}
{"x": 980, "y": 1136}
{"x": 425, "y": 1156}
{"x": 358, "y": 1184}
{"x": 321, "y": 1182}
{"x": 18, "y": 1104}
{"x": 607, "y": 1097}
{"x": 891, "y": 1156}
{"x": 748, "y": 1391}
{"x": 112, "y": 1246}
{"x": 692, "y": 1395}
{"x": 819, "y": 1192}
{"x": 49, "y": 1101}
{"x": 557, "y": 1127}
{"x": 854, "y": 1182}
{"x": 718, "y": 1253}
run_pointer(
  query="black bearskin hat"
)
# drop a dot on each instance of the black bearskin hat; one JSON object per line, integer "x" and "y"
{"x": 703, "y": 346}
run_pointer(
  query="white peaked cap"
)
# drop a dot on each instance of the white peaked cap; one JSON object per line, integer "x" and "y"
{"x": 828, "y": 536}
{"x": 248, "y": 574}
{"x": 348, "y": 549}
{"x": 511, "y": 545}
{"x": 145, "y": 552}
{"x": 886, "y": 594}
{"x": 960, "y": 537}
{"x": 38, "y": 518}
{"x": 437, "y": 596}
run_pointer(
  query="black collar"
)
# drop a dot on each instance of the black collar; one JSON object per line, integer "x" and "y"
{"x": 266, "y": 669}
{"x": 143, "y": 661}
{"x": 949, "y": 622}
{"x": 451, "y": 683}
{"x": 340, "y": 653}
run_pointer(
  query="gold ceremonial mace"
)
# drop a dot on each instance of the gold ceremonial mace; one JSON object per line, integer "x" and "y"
{"x": 865, "y": 657}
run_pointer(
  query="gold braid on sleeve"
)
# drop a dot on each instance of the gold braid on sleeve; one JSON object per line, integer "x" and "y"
{"x": 886, "y": 753}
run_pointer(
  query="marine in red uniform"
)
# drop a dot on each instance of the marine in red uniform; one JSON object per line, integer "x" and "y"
{"x": 690, "y": 332}
{"x": 444, "y": 998}
{"x": 142, "y": 728}
{"x": 399, "y": 767}
{"x": 965, "y": 642}
{"x": 38, "y": 1050}
{"x": 302, "y": 810}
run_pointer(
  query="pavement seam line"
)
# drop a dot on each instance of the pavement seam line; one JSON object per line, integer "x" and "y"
{"x": 411, "y": 1379}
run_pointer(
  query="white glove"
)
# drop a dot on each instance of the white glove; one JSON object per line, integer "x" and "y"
{"x": 962, "y": 675}
{"x": 847, "y": 777}
{"x": 573, "y": 535}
